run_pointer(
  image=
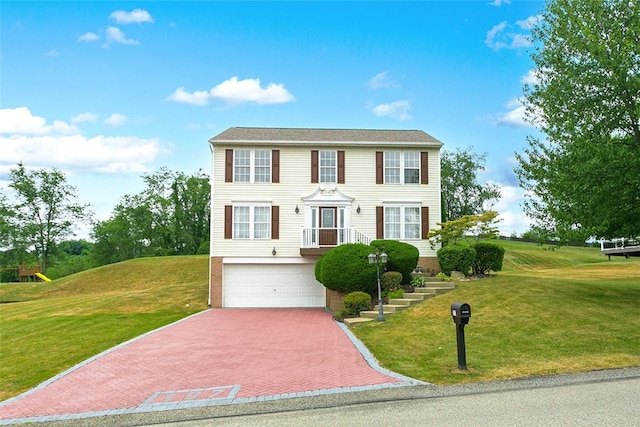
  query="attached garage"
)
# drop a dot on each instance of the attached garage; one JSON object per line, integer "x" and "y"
{"x": 271, "y": 285}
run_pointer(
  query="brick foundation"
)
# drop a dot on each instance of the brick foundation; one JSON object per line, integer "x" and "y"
{"x": 215, "y": 282}
{"x": 429, "y": 264}
{"x": 335, "y": 300}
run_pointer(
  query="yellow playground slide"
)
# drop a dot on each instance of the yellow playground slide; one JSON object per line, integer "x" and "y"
{"x": 43, "y": 277}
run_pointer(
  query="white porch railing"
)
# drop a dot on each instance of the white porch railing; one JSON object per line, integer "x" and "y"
{"x": 620, "y": 243}
{"x": 326, "y": 237}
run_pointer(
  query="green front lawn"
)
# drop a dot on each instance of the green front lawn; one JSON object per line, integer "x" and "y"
{"x": 568, "y": 310}
{"x": 46, "y": 328}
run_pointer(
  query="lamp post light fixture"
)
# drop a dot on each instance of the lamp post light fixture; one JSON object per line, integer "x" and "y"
{"x": 377, "y": 259}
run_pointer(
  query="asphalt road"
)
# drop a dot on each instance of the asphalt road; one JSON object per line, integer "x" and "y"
{"x": 599, "y": 398}
{"x": 597, "y": 404}
{"x": 603, "y": 398}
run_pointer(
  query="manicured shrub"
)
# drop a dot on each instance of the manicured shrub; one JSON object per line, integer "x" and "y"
{"x": 346, "y": 268}
{"x": 403, "y": 257}
{"x": 391, "y": 281}
{"x": 397, "y": 294}
{"x": 355, "y": 302}
{"x": 456, "y": 258}
{"x": 489, "y": 256}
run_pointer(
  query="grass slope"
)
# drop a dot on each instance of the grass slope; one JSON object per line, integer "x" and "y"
{"x": 567, "y": 310}
{"x": 48, "y": 327}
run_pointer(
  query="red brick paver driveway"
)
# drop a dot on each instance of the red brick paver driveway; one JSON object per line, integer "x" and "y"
{"x": 219, "y": 356}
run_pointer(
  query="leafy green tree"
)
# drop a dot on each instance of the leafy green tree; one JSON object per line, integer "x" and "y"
{"x": 583, "y": 179}
{"x": 43, "y": 211}
{"x": 5, "y": 222}
{"x": 467, "y": 229}
{"x": 71, "y": 256}
{"x": 191, "y": 199}
{"x": 125, "y": 235}
{"x": 169, "y": 217}
{"x": 461, "y": 192}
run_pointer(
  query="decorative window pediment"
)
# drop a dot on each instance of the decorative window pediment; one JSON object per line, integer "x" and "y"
{"x": 328, "y": 194}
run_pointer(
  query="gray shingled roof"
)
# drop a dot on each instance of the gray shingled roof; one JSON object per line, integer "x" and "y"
{"x": 251, "y": 134}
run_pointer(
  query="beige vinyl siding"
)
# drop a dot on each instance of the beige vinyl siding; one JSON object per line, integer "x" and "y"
{"x": 360, "y": 184}
{"x": 295, "y": 183}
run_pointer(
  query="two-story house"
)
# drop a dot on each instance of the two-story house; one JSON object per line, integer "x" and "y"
{"x": 282, "y": 197}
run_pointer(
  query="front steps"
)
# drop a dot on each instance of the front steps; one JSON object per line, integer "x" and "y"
{"x": 434, "y": 286}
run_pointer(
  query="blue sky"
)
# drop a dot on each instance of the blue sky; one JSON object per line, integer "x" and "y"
{"x": 106, "y": 91}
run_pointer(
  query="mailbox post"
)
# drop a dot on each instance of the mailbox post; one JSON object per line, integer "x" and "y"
{"x": 461, "y": 313}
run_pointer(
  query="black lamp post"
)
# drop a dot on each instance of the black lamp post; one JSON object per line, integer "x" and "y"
{"x": 377, "y": 259}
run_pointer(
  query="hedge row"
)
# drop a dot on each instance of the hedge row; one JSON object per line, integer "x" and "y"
{"x": 480, "y": 258}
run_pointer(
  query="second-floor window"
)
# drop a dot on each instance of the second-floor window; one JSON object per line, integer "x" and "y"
{"x": 245, "y": 165}
{"x": 252, "y": 166}
{"x": 327, "y": 166}
{"x": 402, "y": 167}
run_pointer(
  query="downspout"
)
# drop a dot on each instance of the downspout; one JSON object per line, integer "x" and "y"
{"x": 210, "y": 224}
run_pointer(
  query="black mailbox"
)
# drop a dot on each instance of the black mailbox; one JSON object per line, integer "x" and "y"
{"x": 461, "y": 312}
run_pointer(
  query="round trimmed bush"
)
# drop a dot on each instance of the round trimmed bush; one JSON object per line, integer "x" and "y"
{"x": 391, "y": 281}
{"x": 403, "y": 257}
{"x": 489, "y": 256}
{"x": 346, "y": 268}
{"x": 355, "y": 302}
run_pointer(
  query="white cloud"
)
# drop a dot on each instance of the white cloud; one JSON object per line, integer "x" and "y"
{"x": 235, "y": 91}
{"x": 509, "y": 207}
{"x": 530, "y": 78}
{"x": 502, "y": 35}
{"x": 515, "y": 116}
{"x": 84, "y": 118}
{"x": 397, "y": 110}
{"x": 76, "y": 152}
{"x": 493, "y": 33}
{"x": 136, "y": 16}
{"x": 89, "y": 37}
{"x": 52, "y": 52}
{"x": 29, "y": 139}
{"x": 382, "y": 80}
{"x": 115, "y": 120}
{"x": 21, "y": 121}
{"x": 530, "y": 22}
{"x": 199, "y": 97}
{"x": 519, "y": 40}
{"x": 499, "y": 3}
{"x": 115, "y": 35}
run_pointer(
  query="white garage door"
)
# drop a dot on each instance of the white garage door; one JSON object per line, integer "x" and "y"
{"x": 271, "y": 285}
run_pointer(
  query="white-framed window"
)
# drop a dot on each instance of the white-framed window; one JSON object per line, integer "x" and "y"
{"x": 252, "y": 222}
{"x": 251, "y": 165}
{"x": 328, "y": 166}
{"x": 402, "y": 222}
{"x": 411, "y": 167}
{"x": 392, "y": 167}
{"x": 402, "y": 167}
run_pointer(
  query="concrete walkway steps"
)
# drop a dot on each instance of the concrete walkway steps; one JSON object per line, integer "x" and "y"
{"x": 432, "y": 287}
